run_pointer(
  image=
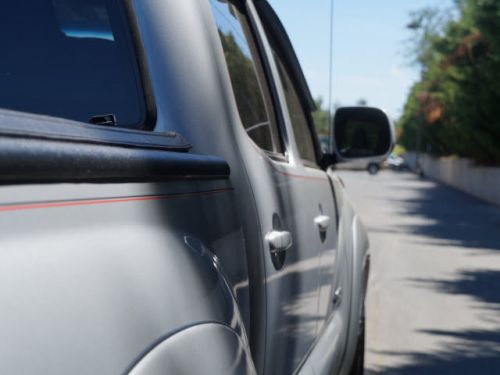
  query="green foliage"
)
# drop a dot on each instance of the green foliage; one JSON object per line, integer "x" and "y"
{"x": 321, "y": 118}
{"x": 399, "y": 150}
{"x": 456, "y": 101}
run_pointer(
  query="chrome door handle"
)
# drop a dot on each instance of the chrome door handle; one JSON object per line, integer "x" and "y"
{"x": 279, "y": 240}
{"x": 323, "y": 222}
{"x": 337, "y": 297}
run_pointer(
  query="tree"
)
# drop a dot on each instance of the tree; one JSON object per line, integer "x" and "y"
{"x": 456, "y": 100}
{"x": 321, "y": 118}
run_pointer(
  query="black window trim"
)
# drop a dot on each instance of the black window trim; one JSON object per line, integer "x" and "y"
{"x": 144, "y": 77}
{"x": 25, "y": 125}
{"x": 101, "y": 155}
{"x": 276, "y": 32}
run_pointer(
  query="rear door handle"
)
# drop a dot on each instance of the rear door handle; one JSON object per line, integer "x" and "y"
{"x": 323, "y": 222}
{"x": 279, "y": 240}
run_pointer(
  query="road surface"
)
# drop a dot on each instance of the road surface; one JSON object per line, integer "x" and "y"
{"x": 433, "y": 304}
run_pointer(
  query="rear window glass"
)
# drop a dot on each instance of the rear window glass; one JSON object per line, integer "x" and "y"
{"x": 70, "y": 58}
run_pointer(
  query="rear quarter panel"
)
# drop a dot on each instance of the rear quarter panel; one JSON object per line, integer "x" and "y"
{"x": 92, "y": 275}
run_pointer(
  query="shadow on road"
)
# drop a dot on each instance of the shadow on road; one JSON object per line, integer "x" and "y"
{"x": 470, "y": 352}
{"x": 480, "y": 285}
{"x": 450, "y": 217}
{"x": 438, "y": 216}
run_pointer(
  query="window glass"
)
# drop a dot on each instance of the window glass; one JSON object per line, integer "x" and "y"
{"x": 247, "y": 77}
{"x": 70, "y": 59}
{"x": 298, "y": 118}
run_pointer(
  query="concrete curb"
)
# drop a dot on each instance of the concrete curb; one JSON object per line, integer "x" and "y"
{"x": 462, "y": 174}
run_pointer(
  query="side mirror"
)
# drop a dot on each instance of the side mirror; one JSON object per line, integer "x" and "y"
{"x": 362, "y": 132}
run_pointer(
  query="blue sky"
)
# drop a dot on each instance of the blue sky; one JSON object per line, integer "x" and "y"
{"x": 369, "y": 58}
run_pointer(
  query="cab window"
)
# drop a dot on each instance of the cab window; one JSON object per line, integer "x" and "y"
{"x": 301, "y": 131}
{"x": 247, "y": 77}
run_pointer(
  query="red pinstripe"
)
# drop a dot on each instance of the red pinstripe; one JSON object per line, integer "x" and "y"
{"x": 57, "y": 204}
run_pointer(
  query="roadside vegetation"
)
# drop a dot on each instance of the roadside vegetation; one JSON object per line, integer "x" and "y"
{"x": 455, "y": 107}
{"x": 321, "y": 118}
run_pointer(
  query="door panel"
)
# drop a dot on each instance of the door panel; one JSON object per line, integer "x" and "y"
{"x": 292, "y": 284}
{"x": 313, "y": 195}
{"x": 92, "y": 274}
{"x": 291, "y": 276}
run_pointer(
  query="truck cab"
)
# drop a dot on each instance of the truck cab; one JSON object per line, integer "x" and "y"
{"x": 165, "y": 204}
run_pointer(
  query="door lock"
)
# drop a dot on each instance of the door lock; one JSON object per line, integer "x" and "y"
{"x": 279, "y": 240}
{"x": 337, "y": 297}
{"x": 322, "y": 222}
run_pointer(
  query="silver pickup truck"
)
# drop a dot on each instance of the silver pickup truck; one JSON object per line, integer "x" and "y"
{"x": 165, "y": 207}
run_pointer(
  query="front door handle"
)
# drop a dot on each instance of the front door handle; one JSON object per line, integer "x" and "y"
{"x": 279, "y": 240}
{"x": 322, "y": 222}
{"x": 337, "y": 297}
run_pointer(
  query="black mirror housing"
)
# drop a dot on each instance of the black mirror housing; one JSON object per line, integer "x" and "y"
{"x": 362, "y": 132}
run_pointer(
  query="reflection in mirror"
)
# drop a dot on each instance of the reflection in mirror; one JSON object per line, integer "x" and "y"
{"x": 362, "y": 132}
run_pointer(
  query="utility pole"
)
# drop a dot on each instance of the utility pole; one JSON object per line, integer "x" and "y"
{"x": 330, "y": 84}
{"x": 416, "y": 25}
{"x": 418, "y": 167}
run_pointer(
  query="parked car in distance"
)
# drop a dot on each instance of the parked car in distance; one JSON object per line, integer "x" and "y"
{"x": 165, "y": 206}
{"x": 396, "y": 162}
{"x": 371, "y": 165}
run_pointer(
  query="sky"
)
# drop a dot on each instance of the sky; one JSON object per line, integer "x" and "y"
{"x": 369, "y": 51}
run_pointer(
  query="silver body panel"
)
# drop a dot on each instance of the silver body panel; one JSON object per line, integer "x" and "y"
{"x": 86, "y": 288}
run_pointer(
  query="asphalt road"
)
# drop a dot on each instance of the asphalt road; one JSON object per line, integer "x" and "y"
{"x": 433, "y": 305}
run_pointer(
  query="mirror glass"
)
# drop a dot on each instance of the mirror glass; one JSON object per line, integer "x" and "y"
{"x": 362, "y": 132}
